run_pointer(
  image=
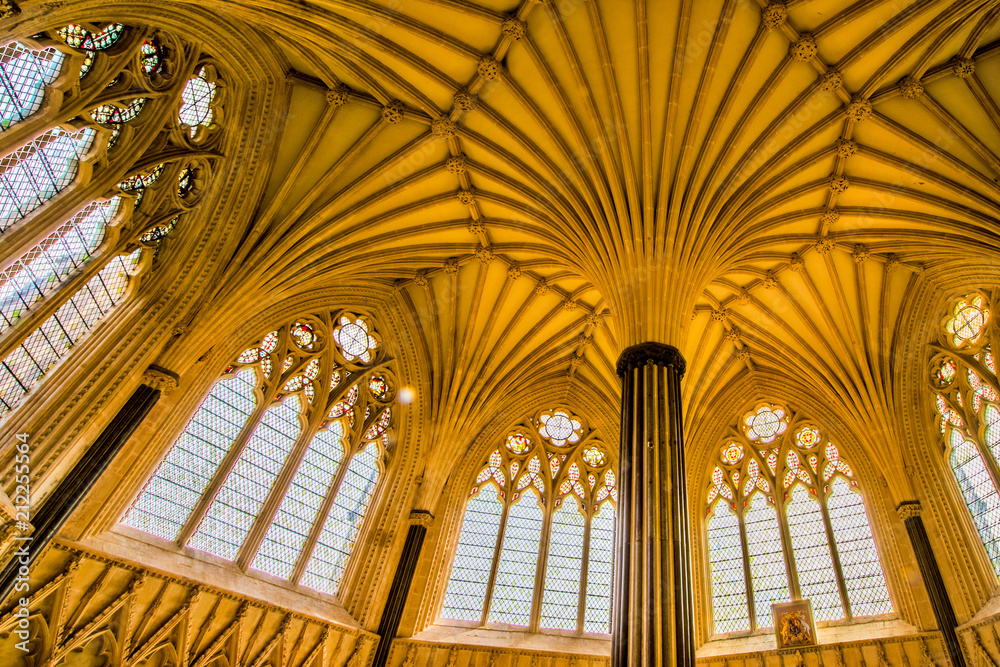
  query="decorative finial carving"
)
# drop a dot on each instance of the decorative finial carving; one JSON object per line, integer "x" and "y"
{"x": 484, "y": 254}
{"x": 542, "y": 288}
{"x": 656, "y": 353}
{"x": 465, "y": 100}
{"x": 451, "y": 265}
{"x": 420, "y": 279}
{"x": 457, "y": 165}
{"x": 774, "y": 14}
{"x": 846, "y": 148}
{"x": 338, "y": 96}
{"x": 839, "y": 184}
{"x": 733, "y": 335}
{"x": 720, "y": 315}
{"x": 804, "y": 49}
{"x": 513, "y": 28}
{"x": 830, "y": 216}
{"x": 467, "y": 197}
{"x": 963, "y": 68}
{"x": 891, "y": 262}
{"x": 514, "y": 271}
{"x": 489, "y": 68}
{"x": 825, "y": 245}
{"x": 796, "y": 263}
{"x": 744, "y": 298}
{"x": 160, "y": 378}
{"x": 8, "y": 8}
{"x": 569, "y": 304}
{"x": 832, "y": 80}
{"x": 392, "y": 112}
{"x": 911, "y": 88}
{"x": 860, "y": 253}
{"x": 444, "y": 127}
{"x": 859, "y": 109}
{"x": 476, "y": 227}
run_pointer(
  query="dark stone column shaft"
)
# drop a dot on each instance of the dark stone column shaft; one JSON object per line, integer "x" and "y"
{"x": 48, "y": 518}
{"x": 400, "y": 589}
{"x": 944, "y": 613}
{"x": 652, "y": 604}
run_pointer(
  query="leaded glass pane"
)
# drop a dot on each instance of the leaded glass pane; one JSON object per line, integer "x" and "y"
{"x": 597, "y": 617}
{"x": 300, "y": 506}
{"x": 52, "y": 340}
{"x": 725, "y": 554}
{"x": 329, "y": 559}
{"x": 23, "y": 76}
{"x": 172, "y": 492}
{"x": 767, "y": 564}
{"x": 51, "y": 262}
{"x": 238, "y": 502}
{"x": 515, "y": 581}
{"x": 470, "y": 571}
{"x": 196, "y": 104}
{"x": 561, "y": 598}
{"x": 817, "y": 578}
{"x": 859, "y": 561}
{"x": 33, "y": 173}
{"x": 979, "y": 492}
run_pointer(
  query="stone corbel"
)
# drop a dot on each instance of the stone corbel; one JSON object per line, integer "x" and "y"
{"x": 161, "y": 379}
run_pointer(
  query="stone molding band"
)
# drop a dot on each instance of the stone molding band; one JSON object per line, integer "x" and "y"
{"x": 657, "y": 353}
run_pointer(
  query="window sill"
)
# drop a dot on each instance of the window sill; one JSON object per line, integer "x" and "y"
{"x": 512, "y": 637}
{"x": 827, "y": 632}
{"x": 152, "y": 553}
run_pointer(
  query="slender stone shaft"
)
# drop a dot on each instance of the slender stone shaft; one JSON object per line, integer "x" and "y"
{"x": 944, "y": 613}
{"x": 652, "y": 605}
{"x": 50, "y": 516}
{"x": 400, "y": 589}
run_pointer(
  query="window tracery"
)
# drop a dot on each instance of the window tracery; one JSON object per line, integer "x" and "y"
{"x": 967, "y": 397}
{"x": 786, "y": 520}
{"x": 89, "y": 256}
{"x": 278, "y": 466}
{"x": 535, "y": 545}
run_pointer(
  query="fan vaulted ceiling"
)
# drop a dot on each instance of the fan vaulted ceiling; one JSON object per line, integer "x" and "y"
{"x": 546, "y": 183}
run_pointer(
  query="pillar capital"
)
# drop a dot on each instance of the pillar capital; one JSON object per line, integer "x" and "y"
{"x": 657, "y": 353}
{"x": 908, "y": 509}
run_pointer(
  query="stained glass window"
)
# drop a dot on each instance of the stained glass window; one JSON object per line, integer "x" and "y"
{"x": 50, "y": 342}
{"x": 269, "y": 428}
{"x": 23, "y": 76}
{"x": 196, "y": 106}
{"x": 33, "y": 173}
{"x": 778, "y": 491}
{"x": 535, "y": 545}
{"x": 967, "y": 397}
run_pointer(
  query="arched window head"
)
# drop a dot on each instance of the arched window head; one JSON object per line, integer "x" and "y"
{"x": 278, "y": 467}
{"x": 91, "y": 255}
{"x": 967, "y": 397}
{"x": 786, "y": 520}
{"x": 536, "y": 541}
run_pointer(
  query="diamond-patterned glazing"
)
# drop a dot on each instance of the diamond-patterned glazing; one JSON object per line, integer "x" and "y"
{"x": 515, "y": 580}
{"x": 561, "y": 596}
{"x": 597, "y": 616}
{"x": 172, "y": 492}
{"x": 980, "y": 494}
{"x": 23, "y": 76}
{"x": 725, "y": 555}
{"x": 859, "y": 560}
{"x": 767, "y": 563}
{"x": 817, "y": 578}
{"x": 239, "y": 500}
{"x": 466, "y": 593}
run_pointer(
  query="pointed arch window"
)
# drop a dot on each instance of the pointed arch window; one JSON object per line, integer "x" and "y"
{"x": 967, "y": 397}
{"x": 536, "y": 539}
{"x": 91, "y": 254}
{"x": 786, "y": 520}
{"x": 278, "y": 467}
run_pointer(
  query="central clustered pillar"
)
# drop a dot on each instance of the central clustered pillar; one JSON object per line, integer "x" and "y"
{"x": 652, "y": 613}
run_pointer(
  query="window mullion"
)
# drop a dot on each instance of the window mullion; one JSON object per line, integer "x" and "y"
{"x": 324, "y": 510}
{"x": 264, "y": 518}
{"x": 541, "y": 565}
{"x": 228, "y": 462}
{"x": 747, "y": 575}
{"x": 786, "y": 543}
{"x": 581, "y": 608}
{"x": 496, "y": 561}
{"x": 47, "y": 304}
{"x": 835, "y": 554}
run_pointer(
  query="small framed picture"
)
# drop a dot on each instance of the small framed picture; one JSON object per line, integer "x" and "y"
{"x": 793, "y": 623}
